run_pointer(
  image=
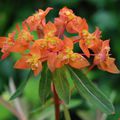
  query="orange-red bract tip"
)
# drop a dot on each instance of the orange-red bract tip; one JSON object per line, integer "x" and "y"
{"x": 21, "y": 63}
{"x": 79, "y": 62}
{"x": 109, "y": 66}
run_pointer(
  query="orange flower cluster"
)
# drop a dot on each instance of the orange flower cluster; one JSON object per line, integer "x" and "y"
{"x": 53, "y": 46}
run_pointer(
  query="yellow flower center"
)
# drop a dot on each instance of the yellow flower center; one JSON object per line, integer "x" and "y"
{"x": 85, "y": 33}
{"x": 36, "y": 16}
{"x": 74, "y": 56}
{"x": 88, "y": 42}
{"x": 88, "y": 37}
{"x": 33, "y": 62}
{"x": 68, "y": 51}
{"x": 51, "y": 40}
{"x": 51, "y": 33}
{"x": 25, "y": 35}
{"x": 9, "y": 42}
{"x": 43, "y": 45}
{"x": 70, "y": 15}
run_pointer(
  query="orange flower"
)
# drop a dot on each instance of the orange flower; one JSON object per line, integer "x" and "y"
{"x": 90, "y": 41}
{"x": 103, "y": 61}
{"x": 41, "y": 44}
{"x": 50, "y": 42}
{"x": 60, "y": 25}
{"x": 49, "y": 29}
{"x": 67, "y": 56}
{"x": 53, "y": 42}
{"x": 23, "y": 40}
{"x": 49, "y": 45}
{"x": 52, "y": 59}
{"x": 31, "y": 60}
{"x": 6, "y": 44}
{"x": 76, "y": 25}
{"x": 66, "y": 14}
{"x": 38, "y": 19}
{"x": 73, "y": 23}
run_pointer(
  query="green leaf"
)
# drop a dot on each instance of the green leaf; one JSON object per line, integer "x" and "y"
{"x": 66, "y": 113}
{"x": 60, "y": 79}
{"x": 90, "y": 92}
{"x": 39, "y": 109}
{"x": 20, "y": 88}
{"x": 45, "y": 82}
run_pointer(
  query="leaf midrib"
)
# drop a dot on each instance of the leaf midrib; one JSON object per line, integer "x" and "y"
{"x": 89, "y": 91}
{"x": 61, "y": 84}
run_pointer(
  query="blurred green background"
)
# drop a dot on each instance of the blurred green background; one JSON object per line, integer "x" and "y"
{"x": 102, "y": 13}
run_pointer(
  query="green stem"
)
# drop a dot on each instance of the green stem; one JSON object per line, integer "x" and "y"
{"x": 57, "y": 104}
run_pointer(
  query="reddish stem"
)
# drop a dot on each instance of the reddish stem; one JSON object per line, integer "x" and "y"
{"x": 40, "y": 33}
{"x": 75, "y": 41}
{"x": 90, "y": 68}
{"x": 57, "y": 104}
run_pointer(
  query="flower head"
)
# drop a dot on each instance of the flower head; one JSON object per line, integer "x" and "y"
{"x": 53, "y": 46}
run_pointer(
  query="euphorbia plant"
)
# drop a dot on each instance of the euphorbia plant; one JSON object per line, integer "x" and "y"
{"x": 52, "y": 55}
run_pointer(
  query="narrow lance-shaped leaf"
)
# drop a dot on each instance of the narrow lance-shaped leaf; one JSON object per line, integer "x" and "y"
{"x": 21, "y": 87}
{"x": 60, "y": 79}
{"x": 45, "y": 82}
{"x": 90, "y": 92}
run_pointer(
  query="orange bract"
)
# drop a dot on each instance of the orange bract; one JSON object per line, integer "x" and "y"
{"x": 31, "y": 60}
{"x": 66, "y": 14}
{"x": 76, "y": 25}
{"x": 103, "y": 61}
{"x": 37, "y": 20}
{"x": 49, "y": 29}
{"x": 23, "y": 40}
{"x": 67, "y": 56}
{"x": 53, "y": 46}
{"x": 6, "y": 44}
{"x": 90, "y": 41}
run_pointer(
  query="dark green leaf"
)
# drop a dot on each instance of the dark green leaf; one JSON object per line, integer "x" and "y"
{"x": 66, "y": 113}
{"x": 90, "y": 92}
{"x": 45, "y": 82}
{"x": 20, "y": 88}
{"x": 60, "y": 78}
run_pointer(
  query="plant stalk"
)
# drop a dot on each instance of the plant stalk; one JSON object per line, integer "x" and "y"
{"x": 57, "y": 104}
